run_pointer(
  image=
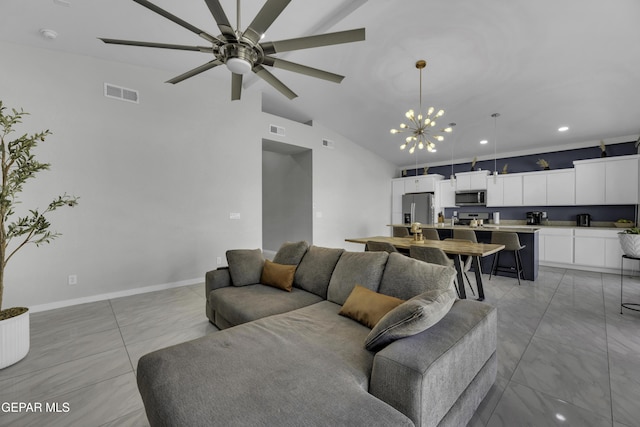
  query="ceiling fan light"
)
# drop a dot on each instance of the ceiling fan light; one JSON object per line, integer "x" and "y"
{"x": 448, "y": 130}
{"x": 403, "y": 146}
{"x": 439, "y": 138}
{"x": 427, "y": 121}
{"x": 409, "y": 114}
{"x": 440, "y": 113}
{"x": 430, "y": 111}
{"x": 238, "y": 65}
{"x": 394, "y": 131}
{"x": 421, "y": 145}
{"x": 403, "y": 126}
{"x": 412, "y": 149}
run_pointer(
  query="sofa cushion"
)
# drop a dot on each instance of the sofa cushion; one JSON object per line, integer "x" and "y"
{"x": 363, "y": 268}
{"x": 406, "y": 277}
{"x": 291, "y": 253}
{"x": 232, "y": 306}
{"x": 412, "y": 317}
{"x": 278, "y": 275}
{"x": 315, "y": 269}
{"x": 368, "y": 307}
{"x": 245, "y": 266}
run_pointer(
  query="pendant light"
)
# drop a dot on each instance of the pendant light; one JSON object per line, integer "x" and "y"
{"x": 420, "y": 127}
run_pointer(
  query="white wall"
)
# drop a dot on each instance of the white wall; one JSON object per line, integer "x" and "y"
{"x": 157, "y": 180}
{"x": 351, "y": 185}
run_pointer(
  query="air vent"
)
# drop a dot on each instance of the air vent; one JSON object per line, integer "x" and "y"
{"x": 121, "y": 93}
{"x": 328, "y": 143}
{"x": 276, "y": 130}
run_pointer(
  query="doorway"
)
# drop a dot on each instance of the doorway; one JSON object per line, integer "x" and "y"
{"x": 287, "y": 202}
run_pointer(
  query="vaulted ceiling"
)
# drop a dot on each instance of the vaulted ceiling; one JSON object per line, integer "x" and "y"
{"x": 540, "y": 64}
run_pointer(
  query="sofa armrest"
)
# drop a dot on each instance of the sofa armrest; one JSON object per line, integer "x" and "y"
{"x": 423, "y": 376}
{"x": 215, "y": 279}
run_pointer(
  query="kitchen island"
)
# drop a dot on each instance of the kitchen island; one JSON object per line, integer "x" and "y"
{"x": 529, "y": 237}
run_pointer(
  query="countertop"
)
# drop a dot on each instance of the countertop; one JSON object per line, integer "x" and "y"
{"x": 518, "y": 228}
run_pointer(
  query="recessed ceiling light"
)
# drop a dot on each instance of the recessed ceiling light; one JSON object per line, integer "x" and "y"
{"x": 484, "y": 141}
{"x": 563, "y": 128}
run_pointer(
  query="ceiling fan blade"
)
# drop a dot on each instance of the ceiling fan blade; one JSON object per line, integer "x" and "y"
{"x": 177, "y": 20}
{"x": 158, "y": 45}
{"x": 236, "y": 86}
{"x": 209, "y": 65}
{"x": 302, "y": 69}
{"x": 327, "y": 39}
{"x": 263, "y": 20}
{"x": 221, "y": 18}
{"x": 273, "y": 81}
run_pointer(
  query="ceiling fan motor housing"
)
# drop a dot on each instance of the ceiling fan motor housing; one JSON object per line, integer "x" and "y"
{"x": 239, "y": 58}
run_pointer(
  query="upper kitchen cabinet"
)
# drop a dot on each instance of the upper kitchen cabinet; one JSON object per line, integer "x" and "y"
{"x": 504, "y": 190}
{"x": 421, "y": 184}
{"x": 549, "y": 188}
{"x": 610, "y": 181}
{"x": 476, "y": 180}
{"x": 446, "y": 194}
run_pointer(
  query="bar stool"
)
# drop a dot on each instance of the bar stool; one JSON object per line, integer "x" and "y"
{"x": 465, "y": 235}
{"x": 433, "y": 256}
{"x": 400, "y": 232}
{"x": 430, "y": 234}
{"x": 511, "y": 243}
{"x": 371, "y": 246}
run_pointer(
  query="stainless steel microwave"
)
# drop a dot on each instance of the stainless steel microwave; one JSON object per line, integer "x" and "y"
{"x": 470, "y": 198}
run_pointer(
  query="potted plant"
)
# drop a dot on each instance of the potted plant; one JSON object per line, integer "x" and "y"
{"x": 630, "y": 242}
{"x": 18, "y": 165}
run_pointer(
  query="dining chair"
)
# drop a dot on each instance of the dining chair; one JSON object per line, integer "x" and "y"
{"x": 465, "y": 235}
{"x": 433, "y": 256}
{"x": 465, "y": 260}
{"x": 372, "y": 246}
{"x": 511, "y": 243}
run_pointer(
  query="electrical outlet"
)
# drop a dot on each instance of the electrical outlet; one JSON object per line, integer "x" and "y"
{"x": 72, "y": 280}
{"x": 219, "y": 260}
{"x": 234, "y": 215}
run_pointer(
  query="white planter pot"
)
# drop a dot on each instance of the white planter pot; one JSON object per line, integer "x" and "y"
{"x": 14, "y": 339}
{"x": 630, "y": 244}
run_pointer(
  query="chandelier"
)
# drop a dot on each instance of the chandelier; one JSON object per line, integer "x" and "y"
{"x": 421, "y": 127}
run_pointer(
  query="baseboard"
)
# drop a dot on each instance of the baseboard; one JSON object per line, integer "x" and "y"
{"x": 627, "y": 271}
{"x": 112, "y": 295}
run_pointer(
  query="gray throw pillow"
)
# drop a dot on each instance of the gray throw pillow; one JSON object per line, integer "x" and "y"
{"x": 406, "y": 277}
{"x": 411, "y": 317}
{"x": 245, "y": 266}
{"x": 291, "y": 253}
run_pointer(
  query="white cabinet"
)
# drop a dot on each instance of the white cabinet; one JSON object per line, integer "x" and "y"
{"x": 534, "y": 189}
{"x": 589, "y": 182}
{"x": 512, "y": 191}
{"x": 476, "y": 180}
{"x": 495, "y": 191}
{"x": 597, "y": 248}
{"x": 556, "y": 245}
{"x": 504, "y": 190}
{"x": 621, "y": 180}
{"x": 421, "y": 184}
{"x": 446, "y": 194}
{"x": 561, "y": 187}
{"x": 611, "y": 181}
{"x": 549, "y": 188}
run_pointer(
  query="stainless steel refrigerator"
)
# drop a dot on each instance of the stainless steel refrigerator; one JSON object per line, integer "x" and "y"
{"x": 418, "y": 207}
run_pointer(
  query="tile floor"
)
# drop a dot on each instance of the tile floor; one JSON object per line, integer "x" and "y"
{"x": 566, "y": 356}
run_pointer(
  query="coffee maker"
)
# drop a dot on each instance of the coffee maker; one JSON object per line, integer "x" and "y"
{"x": 534, "y": 218}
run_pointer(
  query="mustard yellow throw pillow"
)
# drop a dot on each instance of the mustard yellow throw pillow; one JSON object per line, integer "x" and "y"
{"x": 368, "y": 307}
{"x": 278, "y": 275}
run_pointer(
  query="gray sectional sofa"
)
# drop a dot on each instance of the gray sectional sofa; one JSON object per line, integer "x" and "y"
{"x": 291, "y": 359}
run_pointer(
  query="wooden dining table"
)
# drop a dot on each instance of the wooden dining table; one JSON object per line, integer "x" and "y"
{"x": 450, "y": 247}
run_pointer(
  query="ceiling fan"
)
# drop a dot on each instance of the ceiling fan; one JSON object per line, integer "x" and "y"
{"x": 242, "y": 52}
